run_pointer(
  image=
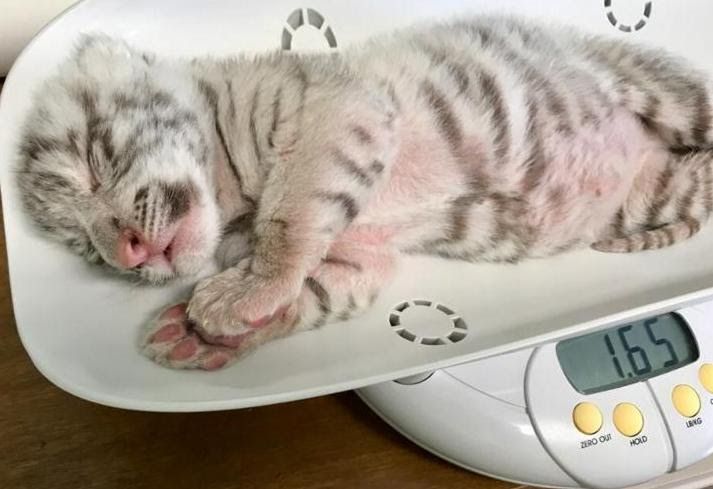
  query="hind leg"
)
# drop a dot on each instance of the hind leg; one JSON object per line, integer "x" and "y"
{"x": 669, "y": 202}
{"x": 671, "y": 98}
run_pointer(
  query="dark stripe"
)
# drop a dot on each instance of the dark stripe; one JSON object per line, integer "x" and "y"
{"x": 302, "y": 92}
{"x": 253, "y": 125}
{"x": 477, "y": 33}
{"x": 394, "y": 98}
{"x": 275, "y": 117}
{"x": 149, "y": 227}
{"x": 455, "y": 70}
{"x": 141, "y": 194}
{"x": 460, "y": 211}
{"x": 212, "y": 98}
{"x": 232, "y": 111}
{"x": 240, "y": 224}
{"x": 351, "y": 167}
{"x": 34, "y": 145}
{"x": 231, "y": 124}
{"x": 460, "y": 75}
{"x": 619, "y": 223}
{"x": 494, "y": 99}
{"x": 177, "y": 199}
{"x": 333, "y": 260}
{"x": 349, "y": 310}
{"x": 651, "y": 111}
{"x": 556, "y": 196}
{"x": 693, "y": 226}
{"x": 567, "y": 246}
{"x": 702, "y": 121}
{"x": 558, "y": 107}
{"x": 554, "y": 102}
{"x": 376, "y": 167}
{"x": 323, "y": 300}
{"x": 678, "y": 138}
{"x": 668, "y": 232}
{"x": 686, "y": 203}
{"x": 351, "y": 209}
{"x": 105, "y": 137}
{"x": 683, "y": 150}
{"x": 50, "y": 182}
{"x": 708, "y": 185}
{"x": 144, "y": 209}
{"x": 502, "y": 232}
{"x": 658, "y": 238}
{"x": 443, "y": 113}
{"x": 535, "y": 162}
{"x": 73, "y": 143}
{"x": 661, "y": 196}
{"x": 362, "y": 135}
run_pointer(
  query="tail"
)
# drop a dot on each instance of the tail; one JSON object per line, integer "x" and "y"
{"x": 652, "y": 239}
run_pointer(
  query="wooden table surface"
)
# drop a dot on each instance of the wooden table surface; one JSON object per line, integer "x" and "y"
{"x": 52, "y": 440}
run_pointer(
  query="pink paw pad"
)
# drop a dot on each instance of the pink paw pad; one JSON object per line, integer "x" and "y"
{"x": 184, "y": 350}
{"x": 173, "y": 313}
{"x": 168, "y": 333}
{"x": 215, "y": 361}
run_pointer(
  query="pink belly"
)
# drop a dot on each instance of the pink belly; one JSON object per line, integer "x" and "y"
{"x": 586, "y": 179}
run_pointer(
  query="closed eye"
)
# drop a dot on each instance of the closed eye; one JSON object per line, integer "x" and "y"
{"x": 90, "y": 251}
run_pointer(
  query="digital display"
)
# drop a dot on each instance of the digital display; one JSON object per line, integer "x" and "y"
{"x": 626, "y": 354}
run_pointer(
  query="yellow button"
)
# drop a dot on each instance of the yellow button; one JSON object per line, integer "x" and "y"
{"x": 686, "y": 400}
{"x": 628, "y": 419}
{"x": 705, "y": 374}
{"x": 587, "y": 418}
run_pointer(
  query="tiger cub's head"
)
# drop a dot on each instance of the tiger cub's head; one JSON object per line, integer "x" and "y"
{"x": 115, "y": 159}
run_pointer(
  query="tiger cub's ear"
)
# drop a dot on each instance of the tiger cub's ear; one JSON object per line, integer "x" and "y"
{"x": 97, "y": 53}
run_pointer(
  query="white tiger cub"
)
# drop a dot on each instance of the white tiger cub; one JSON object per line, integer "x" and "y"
{"x": 305, "y": 176}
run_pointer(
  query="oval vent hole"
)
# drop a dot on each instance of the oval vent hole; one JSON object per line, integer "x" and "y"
{"x": 456, "y": 336}
{"x": 407, "y": 335}
{"x": 644, "y": 16}
{"x": 307, "y": 28}
{"x": 459, "y": 323}
{"x": 426, "y": 322}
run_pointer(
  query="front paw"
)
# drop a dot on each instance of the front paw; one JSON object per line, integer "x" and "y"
{"x": 237, "y": 302}
{"x": 172, "y": 340}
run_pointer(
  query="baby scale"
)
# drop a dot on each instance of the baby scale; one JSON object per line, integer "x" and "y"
{"x": 583, "y": 370}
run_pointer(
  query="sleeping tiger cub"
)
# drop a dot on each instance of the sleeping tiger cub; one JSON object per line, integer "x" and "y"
{"x": 304, "y": 177}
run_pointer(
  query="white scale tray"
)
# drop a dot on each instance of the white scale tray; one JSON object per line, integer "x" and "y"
{"x": 80, "y": 327}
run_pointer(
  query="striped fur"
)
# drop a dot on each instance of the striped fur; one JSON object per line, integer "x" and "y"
{"x": 305, "y": 176}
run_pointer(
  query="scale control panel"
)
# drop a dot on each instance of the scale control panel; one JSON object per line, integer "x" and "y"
{"x": 608, "y": 409}
{"x": 629, "y": 403}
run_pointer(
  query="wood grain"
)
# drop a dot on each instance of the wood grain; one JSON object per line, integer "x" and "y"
{"x": 52, "y": 440}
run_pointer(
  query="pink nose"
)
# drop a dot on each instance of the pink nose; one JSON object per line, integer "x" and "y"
{"x": 133, "y": 250}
